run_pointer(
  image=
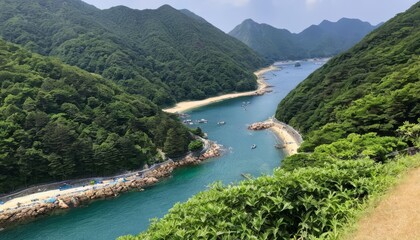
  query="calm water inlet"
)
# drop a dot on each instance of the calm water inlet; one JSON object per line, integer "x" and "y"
{"x": 131, "y": 213}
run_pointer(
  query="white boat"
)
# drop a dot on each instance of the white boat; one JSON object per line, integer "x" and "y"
{"x": 202, "y": 120}
{"x": 254, "y": 146}
{"x": 221, "y": 123}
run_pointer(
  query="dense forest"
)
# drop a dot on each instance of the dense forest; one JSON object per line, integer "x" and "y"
{"x": 323, "y": 40}
{"x": 165, "y": 55}
{"x": 59, "y": 122}
{"x": 355, "y": 111}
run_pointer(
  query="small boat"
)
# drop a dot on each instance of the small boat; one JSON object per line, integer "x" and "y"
{"x": 297, "y": 64}
{"x": 221, "y": 123}
{"x": 254, "y": 146}
{"x": 202, "y": 120}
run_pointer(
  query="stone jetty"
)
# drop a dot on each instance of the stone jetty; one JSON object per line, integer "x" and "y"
{"x": 260, "y": 125}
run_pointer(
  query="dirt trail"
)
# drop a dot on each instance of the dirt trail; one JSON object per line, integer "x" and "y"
{"x": 397, "y": 216}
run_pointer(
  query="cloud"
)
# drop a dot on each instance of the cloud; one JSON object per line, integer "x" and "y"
{"x": 236, "y": 3}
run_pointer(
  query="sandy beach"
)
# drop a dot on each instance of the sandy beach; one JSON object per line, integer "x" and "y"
{"x": 290, "y": 138}
{"x": 188, "y": 105}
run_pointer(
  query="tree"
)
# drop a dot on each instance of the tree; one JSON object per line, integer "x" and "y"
{"x": 195, "y": 145}
{"x": 174, "y": 147}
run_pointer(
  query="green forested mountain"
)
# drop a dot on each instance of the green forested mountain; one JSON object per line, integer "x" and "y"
{"x": 59, "y": 122}
{"x": 373, "y": 87}
{"x": 164, "y": 54}
{"x": 368, "y": 91}
{"x": 323, "y": 40}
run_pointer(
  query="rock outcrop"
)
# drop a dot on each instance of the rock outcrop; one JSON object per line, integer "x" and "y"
{"x": 260, "y": 125}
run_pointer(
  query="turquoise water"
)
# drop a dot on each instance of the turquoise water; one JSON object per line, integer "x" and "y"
{"x": 130, "y": 213}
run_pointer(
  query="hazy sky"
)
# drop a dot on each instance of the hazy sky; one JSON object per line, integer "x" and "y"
{"x": 294, "y": 15}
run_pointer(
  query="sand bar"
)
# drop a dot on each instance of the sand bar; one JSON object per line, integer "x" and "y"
{"x": 188, "y": 105}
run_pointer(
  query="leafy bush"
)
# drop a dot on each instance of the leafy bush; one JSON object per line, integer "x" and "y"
{"x": 195, "y": 145}
{"x": 410, "y": 132}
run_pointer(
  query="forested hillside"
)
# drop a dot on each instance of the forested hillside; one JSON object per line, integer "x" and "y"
{"x": 373, "y": 87}
{"x": 164, "y": 54}
{"x": 370, "y": 91}
{"x": 323, "y": 40}
{"x": 59, "y": 122}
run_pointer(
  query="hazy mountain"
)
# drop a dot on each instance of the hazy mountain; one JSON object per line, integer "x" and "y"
{"x": 326, "y": 39}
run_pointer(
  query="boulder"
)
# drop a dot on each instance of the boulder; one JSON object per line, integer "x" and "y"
{"x": 151, "y": 180}
{"x": 75, "y": 201}
{"x": 62, "y": 204}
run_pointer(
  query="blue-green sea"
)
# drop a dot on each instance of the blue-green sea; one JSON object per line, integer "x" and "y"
{"x": 131, "y": 213}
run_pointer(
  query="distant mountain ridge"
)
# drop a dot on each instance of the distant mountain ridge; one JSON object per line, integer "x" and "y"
{"x": 165, "y": 54}
{"x": 323, "y": 40}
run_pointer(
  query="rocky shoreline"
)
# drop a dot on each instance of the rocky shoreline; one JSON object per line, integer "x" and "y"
{"x": 31, "y": 212}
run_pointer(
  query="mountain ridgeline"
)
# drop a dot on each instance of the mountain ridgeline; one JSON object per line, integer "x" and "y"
{"x": 59, "y": 122}
{"x": 165, "y": 55}
{"x": 373, "y": 87}
{"x": 370, "y": 92}
{"x": 323, "y": 40}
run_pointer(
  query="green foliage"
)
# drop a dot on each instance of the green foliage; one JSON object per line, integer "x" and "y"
{"x": 323, "y": 40}
{"x": 306, "y": 203}
{"x": 176, "y": 143}
{"x": 195, "y": 145}
{"x": 373, "y": 87}
{"x": 353, "y": 147}
{"x": 164, "y": 54}
{"x": 410, "y": 132}
{"x": 360, "y": 146}
{"x": 197, "y": 131}
{"x": 59, "y": 122}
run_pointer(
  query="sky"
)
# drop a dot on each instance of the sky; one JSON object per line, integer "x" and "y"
{"x": 294, "y": 15}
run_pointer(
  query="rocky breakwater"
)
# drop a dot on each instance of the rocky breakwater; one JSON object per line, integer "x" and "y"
{"x": 87, "y": 194}
{"x": 260, "y": 125}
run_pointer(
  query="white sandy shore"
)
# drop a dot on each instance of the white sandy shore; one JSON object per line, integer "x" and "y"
{"x": 188, "y": 105}
{"x": 290, "y": 137}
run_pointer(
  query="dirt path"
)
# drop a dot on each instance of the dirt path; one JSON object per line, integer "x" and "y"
{"x": 397, "y": 216}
